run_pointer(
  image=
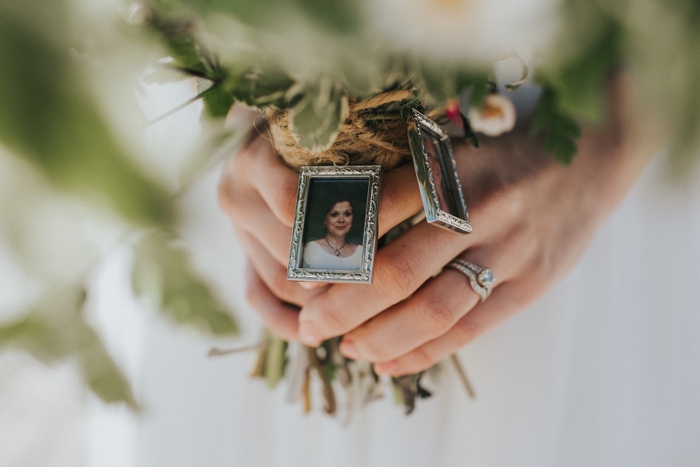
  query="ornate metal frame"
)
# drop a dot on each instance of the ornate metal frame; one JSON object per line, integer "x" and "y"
{"x": 421, "y": 128}
{"x": 372, "y": 173}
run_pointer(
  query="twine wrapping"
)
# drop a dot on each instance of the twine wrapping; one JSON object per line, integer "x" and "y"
{"x": 373, "y": 133}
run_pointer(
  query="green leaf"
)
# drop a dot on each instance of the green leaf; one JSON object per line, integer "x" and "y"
{"x": 56, "y": 330}
{"x": 581, "y": 81}
{"x": 337, "y": 16}
{"x": 49, "y": 330}
{"x": 274, "y": 360}
{"x": 479, "y": 91}
{"x": 36, "y": 335}
{"x": 100, "y": 372}
{"x": 560, "y": 130}
{"x": 330, "y": 370}
{"x": 163, "y": 274}
{"x": 253, "y": 12}
{"x": 177, "y": 34}
{"x": 217, "y": 101}
{"x": 262, "y": 87}
{"x": 442, "y": 82}
{"x": 316, "y": 119}
{"x": 468, "y": 132}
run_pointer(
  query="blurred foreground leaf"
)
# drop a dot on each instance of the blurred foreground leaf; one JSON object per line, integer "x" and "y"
{"x": 47, "y": 116}
{"x": 335, "y": 16}
{"x": 162, "y": 273}
{"x": 316, "y": 119}
{"x": 100, "y": 372}
{"x": 581, "y": 84}
{"x": 560, "y": 130}
{"x": 55, "y": 330}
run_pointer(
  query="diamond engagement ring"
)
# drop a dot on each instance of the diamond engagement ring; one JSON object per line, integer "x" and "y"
{"x": 481, "y": 279}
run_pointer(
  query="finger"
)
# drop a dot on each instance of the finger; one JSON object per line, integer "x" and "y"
{"x": 429, "y": 313}
{"x": 261, "y": 224}
{"x": 251, "y": 215}
{"x": 258, "y": 169}
{"x": 400, "y": 268}
{"x": 237, "y": 172}
{"x": 275, "y": 182}
{"x": 273, "y": 274}
{"x": 399, "y": 198}
{"x": 506, "y": 301}
{"x": 280, "y": 319}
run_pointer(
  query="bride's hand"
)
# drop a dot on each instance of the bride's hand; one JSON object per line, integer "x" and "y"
{"x": 258, "y": 192}
{"x": 532, "y": 219}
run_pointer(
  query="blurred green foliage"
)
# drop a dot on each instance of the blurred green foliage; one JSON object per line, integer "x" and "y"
{"x": 335, "y": 16}
{"x": 49, "y": 117}
{"x": 560, "y": 130}
{"x": 658, "y": 39}
{"x": 163, "y": 274}
{"x": 56, "y": 330}
{"x": 316, "y": 118}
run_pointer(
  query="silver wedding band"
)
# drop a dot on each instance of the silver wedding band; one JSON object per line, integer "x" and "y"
{"x": 480, "y": 279}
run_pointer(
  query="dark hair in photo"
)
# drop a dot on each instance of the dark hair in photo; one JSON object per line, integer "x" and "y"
{"x": 326, "y": 193}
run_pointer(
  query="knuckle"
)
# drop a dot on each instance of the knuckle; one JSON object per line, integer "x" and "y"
{"x": 504, "y": 198}
{"x": 371, "y": 351}
{"x": 251, "y": 294}
{"x": 224, "y": 196}
{"x": 397, "y": 274}
{"x": 333, "y": 322}
{"x": 280, "y": 285}
{"x": 285, "y": 201}
{"x": 541, "y": 265}
{"x": 229, "y": 194}
{"x": 420, "y": 360}
{"x": 399, "y": 197}
{"x": 466, "y": 330}
{"x": 435, "y": 315}
{"x": 284, "y": 289}
{"x": 389, "y": 206}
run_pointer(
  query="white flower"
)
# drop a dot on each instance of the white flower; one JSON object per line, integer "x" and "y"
{"x": 472, "y": 31}
{"x": 495, "y": 117}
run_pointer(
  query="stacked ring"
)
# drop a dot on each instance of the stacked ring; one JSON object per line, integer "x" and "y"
{"x": 480, "y": 279}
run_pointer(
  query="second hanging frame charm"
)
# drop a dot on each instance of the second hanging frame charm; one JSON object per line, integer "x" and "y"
{"x": 436, "y": 171}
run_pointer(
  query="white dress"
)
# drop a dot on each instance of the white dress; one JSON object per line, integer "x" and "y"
{"x": 317, "y": 258}
{"x": 604, "y": 370}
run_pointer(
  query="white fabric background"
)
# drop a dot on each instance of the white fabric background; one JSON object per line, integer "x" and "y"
{"x": 602, "y": 371}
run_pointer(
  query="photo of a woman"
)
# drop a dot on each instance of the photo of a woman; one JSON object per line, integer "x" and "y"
{"x": 335, "y": 225}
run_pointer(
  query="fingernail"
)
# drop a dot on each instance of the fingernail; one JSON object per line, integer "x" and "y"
{"x": 386, "y": 368}
{"x": 309, "y": 335}
{"x": 347, "y": 348}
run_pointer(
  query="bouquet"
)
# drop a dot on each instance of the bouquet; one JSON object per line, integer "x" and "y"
{"x": 337, "y": 83}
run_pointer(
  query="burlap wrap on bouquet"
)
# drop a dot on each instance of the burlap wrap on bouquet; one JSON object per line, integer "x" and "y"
{"x": 374, "y": 133}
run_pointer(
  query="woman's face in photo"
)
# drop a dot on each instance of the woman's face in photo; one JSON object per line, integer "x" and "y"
{"x": 339, "y": 219}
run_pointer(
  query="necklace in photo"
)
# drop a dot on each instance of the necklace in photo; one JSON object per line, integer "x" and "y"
{"x": 337, "y": 250}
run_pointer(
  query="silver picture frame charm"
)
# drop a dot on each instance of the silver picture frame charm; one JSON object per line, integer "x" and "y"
{"x": 334, "y": 235}
{"x": 436, "y": 171}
